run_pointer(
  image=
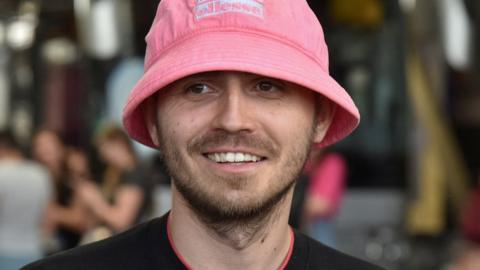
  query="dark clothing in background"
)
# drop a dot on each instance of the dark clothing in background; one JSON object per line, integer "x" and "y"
{"x": 68, "y": 238}
{"x": 296, "y": 211}
{"x": 139, "y": 179}
{"x": 146, "y": 246}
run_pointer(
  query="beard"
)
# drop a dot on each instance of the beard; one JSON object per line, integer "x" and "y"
{"x": 203, "y": 192}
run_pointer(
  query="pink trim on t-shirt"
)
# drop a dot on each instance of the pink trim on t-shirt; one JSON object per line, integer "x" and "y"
{"x": 175, "y": 250}
{"x": 290, "y": 250}
{"x": 184, "y": 262}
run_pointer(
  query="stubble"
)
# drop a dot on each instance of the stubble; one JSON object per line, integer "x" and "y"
{"x": 219, "y": 214}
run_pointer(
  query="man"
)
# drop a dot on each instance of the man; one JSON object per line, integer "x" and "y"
{"x": 25, "y": 191}
{"x": 235, "y": 94}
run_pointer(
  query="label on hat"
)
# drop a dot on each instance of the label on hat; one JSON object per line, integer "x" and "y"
{"x": 206, "y": 8}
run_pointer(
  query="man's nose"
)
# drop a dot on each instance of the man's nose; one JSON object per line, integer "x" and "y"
{"x": 234, "y": 111}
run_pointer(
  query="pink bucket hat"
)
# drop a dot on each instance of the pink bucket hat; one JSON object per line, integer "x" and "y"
{"x": 276, "y": 38}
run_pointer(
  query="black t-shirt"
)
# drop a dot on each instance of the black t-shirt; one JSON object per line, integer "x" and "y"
{"x": 146, "y": 246}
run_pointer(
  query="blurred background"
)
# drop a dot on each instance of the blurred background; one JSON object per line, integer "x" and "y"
{"x": 407, "y": 195}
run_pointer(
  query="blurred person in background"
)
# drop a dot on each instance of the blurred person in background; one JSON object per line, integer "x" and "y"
{"x": 326, "y": 172}
{"x": 123, "y": 197}
{"x": 318, "y": 194}
{"x": 67, "y": 217}
{"x": 162, "y": 194}
{"x": 25, "y": 191}
{"x": 78, "y": 165}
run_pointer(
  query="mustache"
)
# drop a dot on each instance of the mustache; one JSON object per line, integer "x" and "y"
{"x": 234, "y": 139}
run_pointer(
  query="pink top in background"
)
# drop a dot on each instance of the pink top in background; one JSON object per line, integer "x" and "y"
{"x": 327, "y": 180}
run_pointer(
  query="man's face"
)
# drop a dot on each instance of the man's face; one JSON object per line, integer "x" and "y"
{"x": 234, "y": 142}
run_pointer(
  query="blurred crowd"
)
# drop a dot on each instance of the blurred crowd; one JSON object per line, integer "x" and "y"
{"x": 58, "y": 196}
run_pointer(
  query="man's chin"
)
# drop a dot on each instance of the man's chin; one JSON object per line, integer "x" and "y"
{"x": 233, "y": 206}
{"x": 233, "y": 214}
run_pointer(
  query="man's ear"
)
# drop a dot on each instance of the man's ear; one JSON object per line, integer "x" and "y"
{"x": 325, "y": 112}
{"x": 150, "y": 112}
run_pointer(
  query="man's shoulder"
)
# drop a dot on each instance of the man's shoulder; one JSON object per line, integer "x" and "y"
{"x": 128, "y": 250}
{"x": 324, "y": 257}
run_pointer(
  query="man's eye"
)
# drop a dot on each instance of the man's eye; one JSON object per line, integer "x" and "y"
{"x": 265, "y": 86}
{"x": 198, "y": 88}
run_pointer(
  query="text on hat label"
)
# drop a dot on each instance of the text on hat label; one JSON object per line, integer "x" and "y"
{"x": 206, "y": 8}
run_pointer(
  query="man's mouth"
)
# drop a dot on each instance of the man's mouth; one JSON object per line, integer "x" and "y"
{"x": 233, "y": 157}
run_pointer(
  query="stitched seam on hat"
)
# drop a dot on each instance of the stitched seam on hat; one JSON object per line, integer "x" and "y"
{"x": 263, "y": 34}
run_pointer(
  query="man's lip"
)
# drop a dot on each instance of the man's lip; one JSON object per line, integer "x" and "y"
{"x": 235, "y": 150}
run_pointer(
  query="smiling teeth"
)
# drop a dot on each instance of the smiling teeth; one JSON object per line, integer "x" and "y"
{"x": 233, "y": 157}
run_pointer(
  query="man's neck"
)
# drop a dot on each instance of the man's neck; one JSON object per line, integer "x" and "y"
{"x": 261, "y": 244}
